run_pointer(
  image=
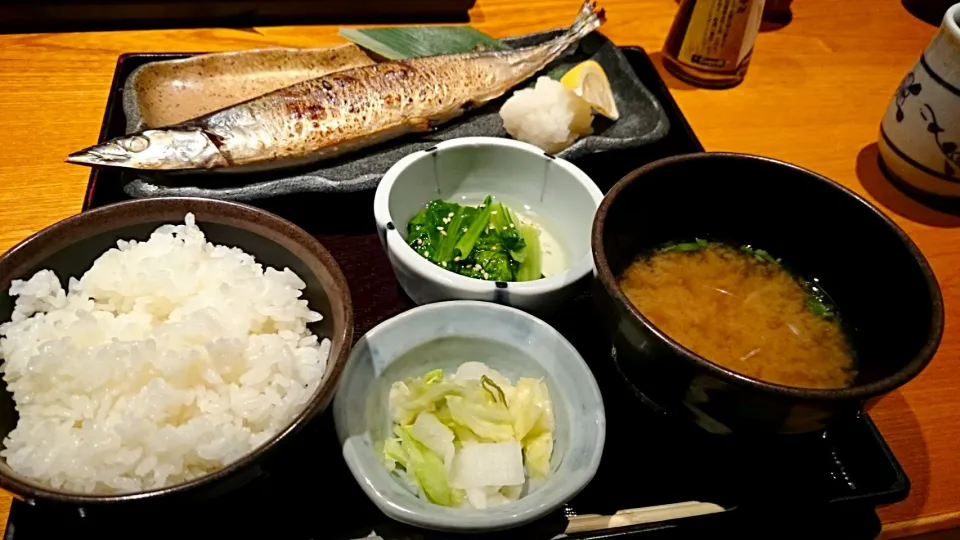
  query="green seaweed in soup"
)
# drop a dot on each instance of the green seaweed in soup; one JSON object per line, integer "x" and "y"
{"x": 818, "y": 302}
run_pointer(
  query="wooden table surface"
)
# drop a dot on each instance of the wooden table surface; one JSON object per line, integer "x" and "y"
{"x": 813, "y": 96}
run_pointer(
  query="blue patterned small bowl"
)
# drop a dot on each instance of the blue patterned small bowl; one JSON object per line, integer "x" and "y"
{"x": 522, "y": 346}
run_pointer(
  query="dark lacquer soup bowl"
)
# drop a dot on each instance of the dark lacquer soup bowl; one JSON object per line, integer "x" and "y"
{"x": 891, "y": 306}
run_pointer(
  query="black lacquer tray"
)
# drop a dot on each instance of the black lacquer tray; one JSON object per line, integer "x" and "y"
{"x": 827, "y": 484}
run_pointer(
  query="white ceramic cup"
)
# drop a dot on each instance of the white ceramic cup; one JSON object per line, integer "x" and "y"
{"x": 920, "y": 132}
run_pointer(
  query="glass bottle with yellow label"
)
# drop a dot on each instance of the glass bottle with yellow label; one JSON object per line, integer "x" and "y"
{"x": 711, "y": 41}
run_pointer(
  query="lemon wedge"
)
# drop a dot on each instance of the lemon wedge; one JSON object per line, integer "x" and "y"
{"x": 588, "y": 80}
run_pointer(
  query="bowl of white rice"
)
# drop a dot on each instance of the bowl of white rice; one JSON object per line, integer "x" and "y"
{"x": 163, "y": 347}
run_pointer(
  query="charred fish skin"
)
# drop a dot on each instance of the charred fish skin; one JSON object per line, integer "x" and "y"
{"x": 338, "y": 112}
{"x": 351, "y": 109}
{"x": 325, "y": 115}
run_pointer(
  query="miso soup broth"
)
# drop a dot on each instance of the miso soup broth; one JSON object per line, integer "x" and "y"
{"x": 740, "y": 308}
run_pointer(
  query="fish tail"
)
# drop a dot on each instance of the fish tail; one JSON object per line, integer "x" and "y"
{"x": 526, "y": 62}
{"x": 588, "y": 19}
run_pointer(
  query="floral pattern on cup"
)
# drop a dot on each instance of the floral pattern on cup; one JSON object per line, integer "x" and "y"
{"x": 907, "y": 88}
{"x": 948, "y": 148}
{"x": 919, "y": 135}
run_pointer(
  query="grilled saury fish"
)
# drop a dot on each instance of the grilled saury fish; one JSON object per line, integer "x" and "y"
{"x": 339, "y": 112}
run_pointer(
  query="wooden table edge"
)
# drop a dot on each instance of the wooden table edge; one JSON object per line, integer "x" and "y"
{"x": 921, "y": 525}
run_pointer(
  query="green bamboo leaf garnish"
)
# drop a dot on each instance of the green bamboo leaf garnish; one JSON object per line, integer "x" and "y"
{"x": 399, "y": 42}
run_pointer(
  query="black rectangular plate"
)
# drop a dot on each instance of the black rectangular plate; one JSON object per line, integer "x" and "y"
{"x": 792, "y": 487}
{"x": 642, "y": 121}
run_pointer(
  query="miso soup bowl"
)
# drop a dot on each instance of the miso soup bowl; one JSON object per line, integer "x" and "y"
{"x": 886, "y": 292}
{"x": 552, "y": 191}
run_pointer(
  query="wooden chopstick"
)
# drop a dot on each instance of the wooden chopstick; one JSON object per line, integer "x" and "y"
{"x": 587, "y": 522}
{"x": 636, "y": 516}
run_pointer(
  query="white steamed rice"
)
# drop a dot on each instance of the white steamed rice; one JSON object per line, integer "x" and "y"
{"x": 167, "y": 360}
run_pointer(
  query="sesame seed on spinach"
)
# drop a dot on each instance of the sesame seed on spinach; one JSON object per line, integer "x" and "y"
{"x": 483, "y": 242}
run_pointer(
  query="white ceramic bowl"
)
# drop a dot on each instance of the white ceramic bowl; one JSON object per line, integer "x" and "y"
{"x": 527, "y": 347}
{"x": 558, "y": 195}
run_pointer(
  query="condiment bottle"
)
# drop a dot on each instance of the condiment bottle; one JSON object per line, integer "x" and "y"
{"x": 711, "y": 41}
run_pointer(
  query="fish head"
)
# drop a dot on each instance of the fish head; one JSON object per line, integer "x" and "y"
{"x": 155, "y": 149}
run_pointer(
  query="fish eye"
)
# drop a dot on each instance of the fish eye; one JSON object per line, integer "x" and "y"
{"x": 137, "y": 143}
